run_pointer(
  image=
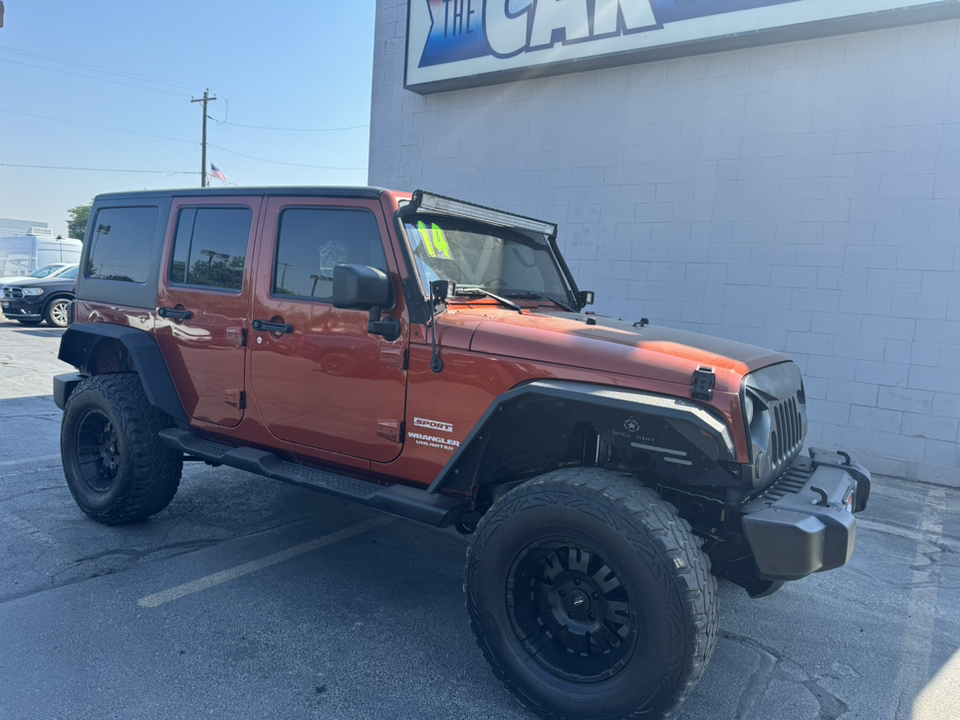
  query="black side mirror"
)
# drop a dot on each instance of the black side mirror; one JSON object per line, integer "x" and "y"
{"x": 360, "y": 287}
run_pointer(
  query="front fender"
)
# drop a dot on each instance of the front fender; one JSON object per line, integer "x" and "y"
{"x": 545, "y": 424}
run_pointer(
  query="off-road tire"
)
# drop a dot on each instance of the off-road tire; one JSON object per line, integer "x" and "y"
{"x": 116, "y": 467}
{"x": 56, "y": 312}
{"x": 668, "y": 622}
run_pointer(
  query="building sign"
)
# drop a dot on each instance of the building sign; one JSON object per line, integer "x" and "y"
{"x": 462, "y": 43}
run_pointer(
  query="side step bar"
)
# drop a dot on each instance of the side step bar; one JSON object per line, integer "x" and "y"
{"x": 408, "y": 502}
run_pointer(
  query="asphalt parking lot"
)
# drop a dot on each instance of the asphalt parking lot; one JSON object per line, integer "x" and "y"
{"x": 248, "y": 598}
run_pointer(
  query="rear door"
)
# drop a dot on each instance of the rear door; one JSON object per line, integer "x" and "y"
{"x": 202, "y": 303}
{"x": 319, "y": 378}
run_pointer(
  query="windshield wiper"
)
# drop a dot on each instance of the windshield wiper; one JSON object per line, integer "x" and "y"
{"x": 530, "y": 295}
{"x": 524, "y": 295}
{"x": 474, "y": 290}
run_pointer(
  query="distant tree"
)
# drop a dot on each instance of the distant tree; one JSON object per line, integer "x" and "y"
{"x": 77, "y": 224}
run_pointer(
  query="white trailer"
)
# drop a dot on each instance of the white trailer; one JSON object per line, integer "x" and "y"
{"x": 22, "y": 254}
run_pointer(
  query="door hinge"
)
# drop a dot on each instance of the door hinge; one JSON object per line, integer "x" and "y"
{"x": 703, "y": 381}
{"x": 236, "y": 398}
{"x": 394, "y": 357}
{"x": 390, "y": 429}
{"x": 237, "y": 336}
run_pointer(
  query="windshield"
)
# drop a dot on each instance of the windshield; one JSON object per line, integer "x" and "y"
{"x": 497, "y": 260}
{"x": 45, "y": 270}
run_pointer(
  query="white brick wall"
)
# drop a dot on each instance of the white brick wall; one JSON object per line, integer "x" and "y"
{"x": 802, "y": 196}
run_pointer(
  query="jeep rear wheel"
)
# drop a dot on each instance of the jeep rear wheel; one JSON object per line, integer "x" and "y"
{"x": 591, "y": 598}
{"x": 116, "y": 467}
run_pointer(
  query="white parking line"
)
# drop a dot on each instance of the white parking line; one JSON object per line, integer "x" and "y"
{"x": 195, "y": 586}
{"x": 25, "y": 527}
{"x": 920, "y": 622}
{"x": 24, "y": 461}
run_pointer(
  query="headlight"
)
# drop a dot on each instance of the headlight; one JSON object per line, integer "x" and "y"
{"x": 748, "y": 409}
{"x": 33, "y": 291}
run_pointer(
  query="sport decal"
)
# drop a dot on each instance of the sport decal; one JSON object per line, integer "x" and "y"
{"x": 433, "y": 425}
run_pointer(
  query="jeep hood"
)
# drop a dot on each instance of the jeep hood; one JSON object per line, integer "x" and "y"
{"x": 612, "y": 346}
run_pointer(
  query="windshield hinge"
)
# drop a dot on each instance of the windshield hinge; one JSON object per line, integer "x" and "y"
{"x": 704, "y": 379}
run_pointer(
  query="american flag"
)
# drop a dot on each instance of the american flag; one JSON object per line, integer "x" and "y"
{"x": 217, "y": 173}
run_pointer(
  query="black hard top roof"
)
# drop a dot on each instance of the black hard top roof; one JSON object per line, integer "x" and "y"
{"x": 306, "y": 191}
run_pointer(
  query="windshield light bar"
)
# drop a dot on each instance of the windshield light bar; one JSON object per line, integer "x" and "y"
{"x": 428, "y": 202}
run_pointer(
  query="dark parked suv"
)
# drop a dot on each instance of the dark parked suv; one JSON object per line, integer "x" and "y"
{"x": 32, "y": 300}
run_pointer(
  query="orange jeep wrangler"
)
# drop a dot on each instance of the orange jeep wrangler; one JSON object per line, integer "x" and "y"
{"x": 429, "y": 357}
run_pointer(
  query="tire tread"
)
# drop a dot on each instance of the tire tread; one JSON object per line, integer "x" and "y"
{"x": 155, "y": 468}
{"x": 626, "y": 503}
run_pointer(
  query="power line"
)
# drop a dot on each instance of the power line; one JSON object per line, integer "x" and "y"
{"x": 225, "y": 121}
{"x": 277, "y": 162}
{"x": 265, "y": 127}
{"x": 162, "y": 137}
{"x": 99, "y": 127}
{"x": 91, "y": 77}
{"x": 97, "y": 68}
{"x": 59, "y": 167}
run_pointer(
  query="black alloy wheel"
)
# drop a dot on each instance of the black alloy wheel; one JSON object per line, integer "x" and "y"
{"x": 98, "y": 451}
{"x": 571, "y": 611}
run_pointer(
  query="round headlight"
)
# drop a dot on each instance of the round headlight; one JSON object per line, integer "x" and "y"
{"x": 748, "y": 409}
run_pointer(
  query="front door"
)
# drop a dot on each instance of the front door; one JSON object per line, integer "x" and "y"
{"x": 319, "y": 378}
{"x": 202, "y": 304}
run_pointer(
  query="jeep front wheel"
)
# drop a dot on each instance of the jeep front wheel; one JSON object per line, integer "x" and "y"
{"x": 591, "y": 598}
{"x": 116, "y": 467}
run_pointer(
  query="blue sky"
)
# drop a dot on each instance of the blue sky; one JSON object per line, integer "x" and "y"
{"x": 132, "y": 67}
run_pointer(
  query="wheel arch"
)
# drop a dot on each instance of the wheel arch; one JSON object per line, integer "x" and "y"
{"x": 102, "y": 348}
{"x": 57, "y": 296}
{"x": 548, "y": 424}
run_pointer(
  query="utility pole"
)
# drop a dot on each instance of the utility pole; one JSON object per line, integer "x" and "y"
{"x": 203, "y": 154}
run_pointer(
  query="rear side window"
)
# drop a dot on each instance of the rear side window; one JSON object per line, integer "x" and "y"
{"x": 210, "y": 248}
{"x": 312, "y": 241}
{"x": 121, "y": 237}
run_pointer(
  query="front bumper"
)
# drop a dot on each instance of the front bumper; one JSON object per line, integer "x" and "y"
{"x": 21, "y": 308}
{"x": 63, "y": 385}
{"x": 804, "y": 522}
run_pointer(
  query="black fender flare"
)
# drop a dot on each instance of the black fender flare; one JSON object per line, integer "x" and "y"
{"x": 80, "y": 341}
{"x": 698, "y": 429}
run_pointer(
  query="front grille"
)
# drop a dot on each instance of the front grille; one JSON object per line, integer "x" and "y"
{"x": 779, "y": 411}
{"x": 11, "y": 293}
{"x": 787, "y": 434}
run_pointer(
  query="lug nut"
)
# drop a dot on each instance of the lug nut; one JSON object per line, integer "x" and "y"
{"x": 570, "y": 615}
{"x": 595, "y": 596}
{"x": 592, "y": 617}
{"x": 563, "y": 593}
{"x": 576, "y": 582}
